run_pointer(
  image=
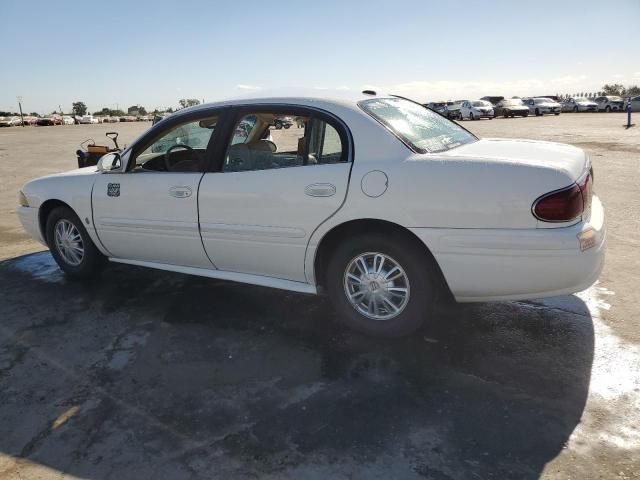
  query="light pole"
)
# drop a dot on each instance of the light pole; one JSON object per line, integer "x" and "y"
{"x": 19, "y": 98}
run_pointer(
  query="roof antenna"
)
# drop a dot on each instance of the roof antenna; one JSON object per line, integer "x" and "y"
{"x": 369, "y": 92}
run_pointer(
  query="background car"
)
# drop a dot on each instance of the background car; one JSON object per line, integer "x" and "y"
{"x": 440, "y": 107}
{"x": 88, "y": 119}
{"x": 283, "y": 122}
{"x": 541, "y": 105}
{"x": 579, "y": 104}
{"x": 493, "y": 100}
{"x": 635, "y": 104}
{"x": 9, "y": 121}
{"x": 476, "y": 109}
{"x": 49, "y": 121}
{"x": 511, "y": 107}
{"x": 67, "y": 120}
{"x": 609, "y": 103}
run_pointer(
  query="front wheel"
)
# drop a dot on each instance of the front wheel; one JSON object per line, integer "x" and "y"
{"x": 381, "y": 285}
{"x": 70, "y": 244}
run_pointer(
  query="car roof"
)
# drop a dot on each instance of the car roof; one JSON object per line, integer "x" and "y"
{"x": 304, "y": 97}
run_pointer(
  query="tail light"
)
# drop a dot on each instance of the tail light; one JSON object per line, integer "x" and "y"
{"x": 566, "y": 204}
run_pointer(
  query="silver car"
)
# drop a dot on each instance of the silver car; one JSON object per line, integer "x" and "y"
{"x": 609, "y": 103}
{"x": 541, "y": 105}
{"x": 579, "y": 104}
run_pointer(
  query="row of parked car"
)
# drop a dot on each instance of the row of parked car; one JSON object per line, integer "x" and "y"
{"x": 55, "y": 119}
{"x": 491, "y": 107}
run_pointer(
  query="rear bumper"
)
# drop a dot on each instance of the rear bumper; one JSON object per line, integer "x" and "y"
{"x": 486, "y": 265}
{"x": 30, "y": 222}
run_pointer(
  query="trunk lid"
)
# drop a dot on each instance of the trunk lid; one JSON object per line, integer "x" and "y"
{"x": 557, "y": 156}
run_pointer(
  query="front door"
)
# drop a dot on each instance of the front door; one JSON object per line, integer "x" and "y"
{"x": 150, "y": 212}
{"x": 283, "y": 174}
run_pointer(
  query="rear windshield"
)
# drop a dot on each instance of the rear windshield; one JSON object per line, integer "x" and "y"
{"x": 422, "y": 129}
{"x": 480, "y": 103}
{"x": 513, "y": 101}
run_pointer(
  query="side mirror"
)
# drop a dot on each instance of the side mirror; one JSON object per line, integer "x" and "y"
{"x": 110, "y": 161}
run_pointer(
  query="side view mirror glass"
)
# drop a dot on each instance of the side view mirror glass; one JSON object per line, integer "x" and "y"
{"x": 109, "y": 162}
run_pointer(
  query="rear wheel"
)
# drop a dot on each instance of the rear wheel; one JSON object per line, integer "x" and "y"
{"x": 537, "y": 112}
{"x": 70, "y": 244}
{"x": 607, "y": 108}
{"x": 471, "y": 117}
{"x": 575, "y": 109}
{"x": 381, "y": 285}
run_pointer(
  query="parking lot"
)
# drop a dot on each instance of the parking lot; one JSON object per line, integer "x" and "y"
{"x": 149, "y": 374}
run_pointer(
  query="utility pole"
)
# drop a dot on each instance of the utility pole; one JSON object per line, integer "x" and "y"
{"x": 19, "y": 98}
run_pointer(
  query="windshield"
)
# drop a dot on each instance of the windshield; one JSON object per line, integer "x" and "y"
{"x": 422, "y": 129}
{"x": 581, "y": 99}
{"x": 481, "y": 103}
{"x": 542, "y": 100}
{"x": 513, "y": 102}
{"x": 615, "y": 99}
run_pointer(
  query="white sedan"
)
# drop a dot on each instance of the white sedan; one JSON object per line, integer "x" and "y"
{"x": 379, "y": 201}
{"x": 476, "y": 109}
{"x": 541, "y": 105}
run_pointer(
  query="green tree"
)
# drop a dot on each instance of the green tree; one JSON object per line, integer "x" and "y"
{"x": 633, "y": 90}
{"x": 613, "y": 89}
{"x": 79, "y": 108}
{"x": 188, "y": 102}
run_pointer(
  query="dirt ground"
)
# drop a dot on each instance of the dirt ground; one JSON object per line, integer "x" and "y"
{"x": 147, "y": 374}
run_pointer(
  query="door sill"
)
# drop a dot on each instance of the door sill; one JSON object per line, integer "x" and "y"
{"x": 259, "y": 280}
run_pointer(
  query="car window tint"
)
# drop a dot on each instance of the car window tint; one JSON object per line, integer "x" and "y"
{"x": 264, "y": 140}
{"x": 188, "y": 143}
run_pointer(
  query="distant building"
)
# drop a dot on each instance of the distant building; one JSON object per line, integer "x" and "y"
{"x": 135, "y": 110}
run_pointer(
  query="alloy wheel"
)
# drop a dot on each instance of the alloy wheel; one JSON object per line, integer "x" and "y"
{"x": 376, "y": 286}
{"x": 69, "y": 242}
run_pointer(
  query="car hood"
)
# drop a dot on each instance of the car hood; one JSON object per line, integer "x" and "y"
{"x": 75, "y": 172}
{"x": 558, "y": 156}
{"x": 587, "y": 104}
{"x": 547, "y": 104}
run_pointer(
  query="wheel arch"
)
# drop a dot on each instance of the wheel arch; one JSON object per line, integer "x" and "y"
{"x": 45, "y": 209}
{"x": 331, "y": 239}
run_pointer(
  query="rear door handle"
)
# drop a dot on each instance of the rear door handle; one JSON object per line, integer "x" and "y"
{"x": 320, "y": 190}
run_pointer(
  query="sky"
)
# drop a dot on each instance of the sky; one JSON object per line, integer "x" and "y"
{"x": 122, "y": 53}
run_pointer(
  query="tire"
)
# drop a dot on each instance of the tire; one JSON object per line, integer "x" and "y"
{"x": 538, "y": 113}
{"x": 286, "y": 126}
{"x": 575, "y": 109}
{"x": 278, "y": 126}
{"x": 556, "y": 113}
{"x": 607, "y": 109}
{"x": 417, "y": 277}
{"x": 91, "y": 261}
{"x": 505, "y": 113}
{"x": 525, "y": 114}
{"x": 471, "y": 117}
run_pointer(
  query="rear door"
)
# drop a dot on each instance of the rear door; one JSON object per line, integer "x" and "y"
{"x": 273, "y": 188}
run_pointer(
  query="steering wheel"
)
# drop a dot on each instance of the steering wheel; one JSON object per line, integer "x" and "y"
{"x": 167, "y": 154}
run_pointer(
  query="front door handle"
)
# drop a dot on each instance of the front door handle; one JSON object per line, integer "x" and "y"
{"x": 320, "y": 190}
{"x": 180, "y": 192}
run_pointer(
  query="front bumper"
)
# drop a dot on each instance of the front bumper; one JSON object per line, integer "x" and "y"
{"x": 30, "y": 222}
{"x": 514, "y": 264}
